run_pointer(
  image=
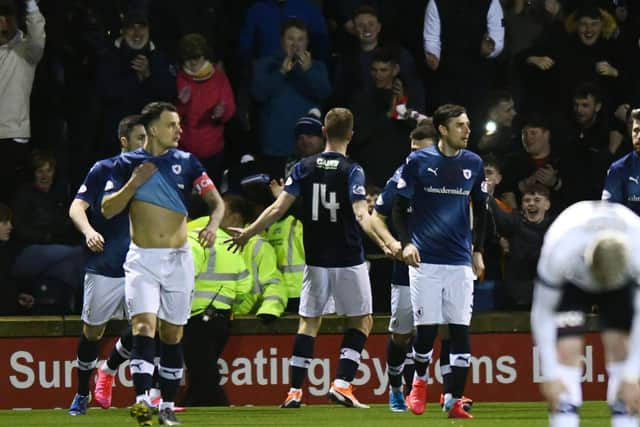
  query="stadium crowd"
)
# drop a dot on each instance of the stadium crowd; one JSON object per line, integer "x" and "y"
{"x": 549, "y": 87}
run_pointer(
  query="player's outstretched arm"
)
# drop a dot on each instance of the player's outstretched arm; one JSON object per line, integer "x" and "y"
{"x": 268, "y": 216}
{"x": 113, "y": 204}
{"x": 78, "y": 214}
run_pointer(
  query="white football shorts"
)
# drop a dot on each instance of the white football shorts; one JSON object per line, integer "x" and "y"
{"x": 103, "y": 299}
{"x": 441, "y": 294}
{"x": 160, "y": 281}
{"x": 349, "y": 287}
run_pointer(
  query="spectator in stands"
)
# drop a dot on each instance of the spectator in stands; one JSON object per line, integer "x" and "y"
{"x": 461, "y": 38}
{"x": 15, "y": 295}
{"x": 554, "y": 67}
{"x": 587, "y": 155}
{"x": 308, "y": 132}
{"x": 261, "y": 38}
{"x": 495, "y": 245}
{"x": 620, "y": 133}
{"x": 309, "y": 138}
{"x": 497, "y": 133}
{"x": 205, "y": 104}
{"x": 19, "y": 56}
{"x": 353, "y": 74}
{"x": 287, "y": 85}
{"x": 527, "y": 21}
{"x": 538, "y": 163}
{"x": 49, "y": 246}
{"x": 524, "y": 230}
{"x": 340, "y": 23}
{"x": 131, "y": 74}
{"x": 379, "y": 144}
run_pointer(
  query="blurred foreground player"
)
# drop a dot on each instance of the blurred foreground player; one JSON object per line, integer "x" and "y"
{"x": 590, "y": 256}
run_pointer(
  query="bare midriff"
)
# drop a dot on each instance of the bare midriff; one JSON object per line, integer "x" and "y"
{"x": 153, "y": 226}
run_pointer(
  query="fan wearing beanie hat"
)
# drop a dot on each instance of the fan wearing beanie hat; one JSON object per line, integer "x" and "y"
{"x": 308, "y": 132}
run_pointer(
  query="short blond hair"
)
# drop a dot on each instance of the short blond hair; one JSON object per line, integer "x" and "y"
{"x": 338, "y": 124}
{"x": 607, "y": 257}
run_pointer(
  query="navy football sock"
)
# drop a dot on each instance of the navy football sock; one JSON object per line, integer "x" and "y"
{"x": 396, "y": 355}
{"x": 87, "y": 359}
{"x": 302, "y": 355}
{"x": 121, "y": 351}
{"x": 141, "y": 364}
{"x": 352, "y": 345}
{"x": 423, "y": 347}
{"x": 170, "y": 370}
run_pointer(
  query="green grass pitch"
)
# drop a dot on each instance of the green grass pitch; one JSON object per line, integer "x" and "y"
{"x": 487, "y": 415}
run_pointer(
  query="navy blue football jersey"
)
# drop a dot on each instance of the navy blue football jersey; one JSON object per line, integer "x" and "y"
{"x": 329, "y": 183}
{"x": 115, "y": 230}
{"x": 384, "y": 206}
{"x": 440, "y": 189}
{"x": 623, "y": 182}
{"x": 170, "y": 187}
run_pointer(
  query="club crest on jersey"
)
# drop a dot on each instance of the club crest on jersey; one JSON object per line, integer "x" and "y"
{"x": 359, "y": 190}
{"x": 176, "y": 169}
{"x": 466, "y": 173}
{"x": 82, "y": 189}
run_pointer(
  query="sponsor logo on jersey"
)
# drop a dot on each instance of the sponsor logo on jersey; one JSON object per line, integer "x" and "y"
{"x": 82, "y": 189}
{"x": 466, "y": 173}
{"x": 327, "y": 164}
{"x": 359, "y": 190}
{"x": 444, "y": 190}
{"x": 176, "y": 169}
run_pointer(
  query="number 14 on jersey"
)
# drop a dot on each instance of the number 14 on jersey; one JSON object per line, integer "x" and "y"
{"x": 320, "y": 196}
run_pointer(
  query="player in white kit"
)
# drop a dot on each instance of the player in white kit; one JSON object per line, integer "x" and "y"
{"x": 590, "y": 255}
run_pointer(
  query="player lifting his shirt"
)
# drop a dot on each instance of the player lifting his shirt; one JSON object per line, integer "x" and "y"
{"x": 155, "y": 183}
